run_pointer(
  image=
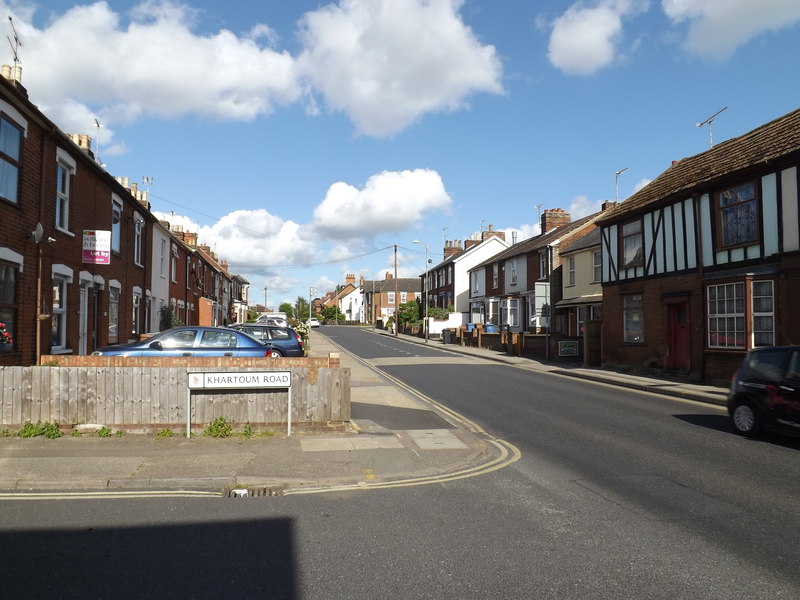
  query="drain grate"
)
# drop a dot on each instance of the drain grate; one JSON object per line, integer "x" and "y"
{"x": 259, "y": 492}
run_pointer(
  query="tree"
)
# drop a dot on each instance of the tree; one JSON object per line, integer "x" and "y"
{"x": 332, "y": 314}
{"x": 409, "y": 312}
{"x": 287, "y": 309}
{"x": 301, "y": 308}
{"x": 168, "y": 319}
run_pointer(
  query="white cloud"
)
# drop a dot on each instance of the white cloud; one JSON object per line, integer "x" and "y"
{"x": 642, "y": 183}
{"x": 586, "y": 39}
{"x": 718, "y": 27}
{"x": 582, "y": 206}
{"x": 389, "y": 201}
{"x": 154, "y": 66}
{"x": 251, "y": 238}
{"x": 385, "y": 64}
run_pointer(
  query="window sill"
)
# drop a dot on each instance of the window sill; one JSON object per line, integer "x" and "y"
{"x": 64, "y": 231}
{"x": 55, "y": 351}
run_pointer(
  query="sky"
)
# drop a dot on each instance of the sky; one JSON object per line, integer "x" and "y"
{"x": 305, "y": 140}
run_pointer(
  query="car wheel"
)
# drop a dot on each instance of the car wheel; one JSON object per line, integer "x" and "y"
{"x": 746, "y": 420}
{"x": 274, "y": 353}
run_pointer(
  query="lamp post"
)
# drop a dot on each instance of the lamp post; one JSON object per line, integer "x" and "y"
{"x": 616, "y": 183}
{"x": 425, "y": 289}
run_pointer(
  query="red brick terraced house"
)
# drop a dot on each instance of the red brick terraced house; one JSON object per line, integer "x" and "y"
{"x": 516, "y": 288}
{"x": 703, "y": 263}
{"x": 82, "y": 259}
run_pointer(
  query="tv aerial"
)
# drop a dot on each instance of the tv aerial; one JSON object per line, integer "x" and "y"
{"x": 708, "y": 122}
{"x": 16, "y": 44}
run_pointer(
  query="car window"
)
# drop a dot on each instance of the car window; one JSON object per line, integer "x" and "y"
{"x": 768, "y": 365}
{"x": 280, "y": 334}
{"x": 218, "y": 339}
{"x": 179, "y": 339}
{"x": 794, "y": 366}
{"x": 257, "y": 332}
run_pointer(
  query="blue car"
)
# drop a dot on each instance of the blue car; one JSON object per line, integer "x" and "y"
{"x": 284, "y": 341}
{"x": 192, "y": 341}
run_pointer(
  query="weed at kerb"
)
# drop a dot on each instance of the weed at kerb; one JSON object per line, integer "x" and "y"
{"x": 48, "y": 430}
{"x": 219, "y": 428}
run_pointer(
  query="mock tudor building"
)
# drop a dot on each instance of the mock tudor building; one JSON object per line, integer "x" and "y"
{"x": 703, "y": 263}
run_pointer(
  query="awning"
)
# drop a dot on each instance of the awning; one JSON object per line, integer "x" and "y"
{"x": 577, "y": 300}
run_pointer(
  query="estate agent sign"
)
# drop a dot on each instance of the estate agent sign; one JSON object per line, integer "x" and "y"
{"x": 96, "y": 247}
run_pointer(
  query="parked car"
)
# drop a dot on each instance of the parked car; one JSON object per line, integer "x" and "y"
{"x": 765, "y": 391}
{"x": 274, "y": 319}
{"x": 192, "y": 341}
{"x": 313, "y": 322}
{"x": 284, "y": 341}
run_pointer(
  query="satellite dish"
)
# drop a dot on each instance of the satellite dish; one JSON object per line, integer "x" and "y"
{"x": 38, "y": 233}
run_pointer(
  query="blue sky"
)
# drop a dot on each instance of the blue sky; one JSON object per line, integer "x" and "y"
{"x": 303, "y": 140}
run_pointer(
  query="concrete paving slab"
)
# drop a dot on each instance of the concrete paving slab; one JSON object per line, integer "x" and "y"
{"x": 436, "y": 439}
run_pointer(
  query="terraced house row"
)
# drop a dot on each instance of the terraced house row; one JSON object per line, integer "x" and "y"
{"x": 685, "y": 275}
{"x": 83, "y": 261}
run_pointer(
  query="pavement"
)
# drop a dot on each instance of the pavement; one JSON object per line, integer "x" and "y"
{"x": 396, "y": 438}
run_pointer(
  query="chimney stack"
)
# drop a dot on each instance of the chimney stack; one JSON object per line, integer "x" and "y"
{"x": 350, "y": 278}
{"x": 452, "y": 248}
{"x": 553, "y": 218}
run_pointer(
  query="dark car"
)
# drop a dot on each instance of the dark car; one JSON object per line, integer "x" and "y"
{"x": 192, "y": 341}
{"x": 765, "y": 391}
{"x": 284, "y": 341}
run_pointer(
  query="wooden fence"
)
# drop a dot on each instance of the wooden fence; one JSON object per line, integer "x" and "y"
{"x": 136, "y": 394}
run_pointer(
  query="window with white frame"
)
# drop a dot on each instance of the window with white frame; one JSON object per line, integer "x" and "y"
{"x": 510, "y": 312}
{"x": 494, "y": 312}
{"x": 474, "y": 282}
{"x": 163, "y": 259}
{"x": 403, "y": 296}
{"x": 10, "y": 159}
{"x": 113, "y": 315}
{"x": 632, "y": 319}
{"x": 571, "y": 271}
{"x": 729, "y": 324}
{"x": 597, "y": 266}
{"x": 763, "y": 314}
{"x": 495, "y": 274}
{"x": 544, "y": 264}
{"x": 138, "y": 240}
{"x": 136, "y": 316}
{"x": 514, "y": 272}
{"x": 580, "y": 318}
{"x": 449, "y": 274}
{"x": 632, "y": 250}
{"x": 390, "y": 298}
{"x": 65, "y": 169}
{"x": 173, "y": 265}
{"x": 58, "y": 316}
{"x": 116, "y": 225}
{"x": 726, "y": 322}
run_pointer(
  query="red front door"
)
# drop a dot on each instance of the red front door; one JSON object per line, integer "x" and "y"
{"x": 678, "y": 354}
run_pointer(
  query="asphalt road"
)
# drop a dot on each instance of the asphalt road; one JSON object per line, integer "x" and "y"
{"x": 618, "y": 494}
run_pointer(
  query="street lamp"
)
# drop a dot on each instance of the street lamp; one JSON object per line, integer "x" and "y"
{"x": 425, "y": 289}
{"x": 616, "y": 183}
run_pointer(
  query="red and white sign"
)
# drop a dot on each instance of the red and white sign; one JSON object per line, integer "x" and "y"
{"x": 96, "y": 247}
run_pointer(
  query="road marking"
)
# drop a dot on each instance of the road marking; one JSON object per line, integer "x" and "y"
{"x": 108, "y": 495}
